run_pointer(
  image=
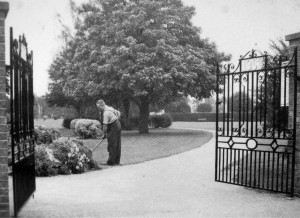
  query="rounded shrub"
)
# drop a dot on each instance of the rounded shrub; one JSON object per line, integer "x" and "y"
{"x": 163, "y": 121}
{"x": 87, "y": 128}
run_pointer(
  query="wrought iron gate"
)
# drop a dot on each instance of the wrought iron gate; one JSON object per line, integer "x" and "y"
{"x": 22, "y": 121}
{"x": 255, "y": 127}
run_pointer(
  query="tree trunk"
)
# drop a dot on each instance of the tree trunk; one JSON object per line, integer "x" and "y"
{"x": 144, "y": 116}
{"x": 126, "y": 105}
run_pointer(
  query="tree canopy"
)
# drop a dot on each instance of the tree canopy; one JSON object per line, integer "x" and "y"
{"x": 179, "y": 106}
{"x": 145, "y": 51}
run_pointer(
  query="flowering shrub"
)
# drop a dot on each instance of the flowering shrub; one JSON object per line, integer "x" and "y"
{"x": 44, "y": 166}
{"x": 63, "y": 156}
{"x": 87, "y": 128}
{"x": 74, "y": 156}
{"x": 45, "y": 135}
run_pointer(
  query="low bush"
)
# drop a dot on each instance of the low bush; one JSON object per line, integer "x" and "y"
{"x": 86, "y": 128}
{"x": 63, "y": 156}
{"x": 163, "y": 121}
{"x": 45, "y": 135}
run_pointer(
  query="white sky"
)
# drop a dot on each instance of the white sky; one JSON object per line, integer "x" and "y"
{"x": 236, "y": 26}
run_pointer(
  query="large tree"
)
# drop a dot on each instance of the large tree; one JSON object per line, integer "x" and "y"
{"x": 142, "y": 51}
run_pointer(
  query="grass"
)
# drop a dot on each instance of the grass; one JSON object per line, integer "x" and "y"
{"x": 137, "y": 148}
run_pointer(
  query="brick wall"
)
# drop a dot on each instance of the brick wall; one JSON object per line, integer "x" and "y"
{"x": 4, "y": 199}
{"x": 294, "y": 42}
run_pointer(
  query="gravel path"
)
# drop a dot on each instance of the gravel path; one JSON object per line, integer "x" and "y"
{"x": 178, "y": 186}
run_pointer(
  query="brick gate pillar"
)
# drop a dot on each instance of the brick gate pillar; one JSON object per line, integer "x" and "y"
{"x": 294, "y": 42}
{"x": 4, "y": 199}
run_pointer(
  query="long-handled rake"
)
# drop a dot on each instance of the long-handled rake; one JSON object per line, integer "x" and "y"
{"x": 97, "y": 144}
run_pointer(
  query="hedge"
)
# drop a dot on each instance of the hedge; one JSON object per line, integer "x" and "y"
{"x": 200, "y": 117}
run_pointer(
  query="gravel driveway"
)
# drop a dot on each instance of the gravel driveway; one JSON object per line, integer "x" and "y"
{"x": 178, "y": 186}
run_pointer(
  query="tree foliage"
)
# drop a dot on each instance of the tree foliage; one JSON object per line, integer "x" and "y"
{"x": 279, "y": 47}
{"x": 146, "y": 51}
{"x": 179, "y": 106}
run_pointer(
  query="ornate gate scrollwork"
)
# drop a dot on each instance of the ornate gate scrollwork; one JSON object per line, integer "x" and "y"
{"x": 255, "y": 127}
{"x": 22, "y": 121}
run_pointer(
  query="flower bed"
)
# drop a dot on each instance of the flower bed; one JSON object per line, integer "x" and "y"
{"x": 63, "y": 156}
{"x": 55, "y": 155}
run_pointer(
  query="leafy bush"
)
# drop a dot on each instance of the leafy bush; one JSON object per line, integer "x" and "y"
{"x": 86, "y": 128}
{"x": 45, "y": 135}
{"x": 163, "y": 121}
{"x": 63, "y": 156}
{"x": 73, "y": 155}
{"x": 44, "y": 166}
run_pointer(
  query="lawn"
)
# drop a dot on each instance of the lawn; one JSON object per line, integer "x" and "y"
{"x": 137, "y": 148}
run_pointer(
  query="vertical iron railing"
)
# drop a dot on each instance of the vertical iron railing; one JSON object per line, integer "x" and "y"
{"x": 22, "y": 123}
{"x": 255, "y": 143}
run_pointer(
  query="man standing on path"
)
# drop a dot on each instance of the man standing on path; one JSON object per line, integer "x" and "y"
{"x": 112, "y": 130}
